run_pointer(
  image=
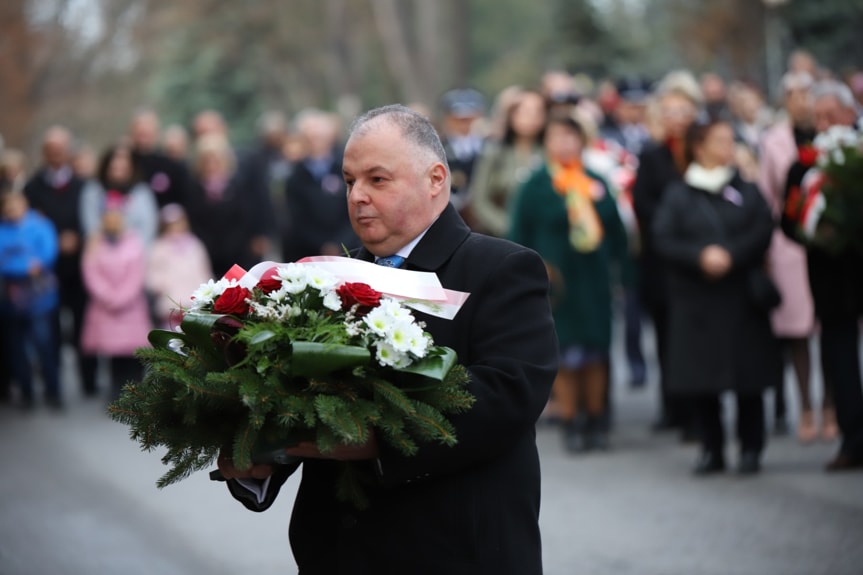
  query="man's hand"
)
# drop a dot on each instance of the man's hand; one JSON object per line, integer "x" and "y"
{"x": 228, "y": 471}
{"x": 69, "y": 242}
{"x": 715, "y": 261}
{"x": 368, "y": 450}
{"x": 260, "y": 246}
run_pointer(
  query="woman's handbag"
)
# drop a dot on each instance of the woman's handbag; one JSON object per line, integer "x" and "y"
{"x": 763, "y": 291}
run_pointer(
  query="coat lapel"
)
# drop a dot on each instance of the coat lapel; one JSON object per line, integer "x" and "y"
{"x": 443, "y": 237}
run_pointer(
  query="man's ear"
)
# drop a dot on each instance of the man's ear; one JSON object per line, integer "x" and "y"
{"x": 438, "y": 177}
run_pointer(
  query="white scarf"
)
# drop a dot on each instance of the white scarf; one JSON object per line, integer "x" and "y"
{"x": 712, "y": 180}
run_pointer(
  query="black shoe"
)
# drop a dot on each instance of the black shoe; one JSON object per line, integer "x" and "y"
{"x": 596, "y": 436}
{"x": 664, "y": 424}
{"x": 54, "y": 403}
{"x": 844, "y": 462}
{"x": 26, "y": 403}
{"x": 750, "y": 463}
{"x": 575, "y": 435}
{"x": 708, "y": 463}
{"x": 689, "y": 435}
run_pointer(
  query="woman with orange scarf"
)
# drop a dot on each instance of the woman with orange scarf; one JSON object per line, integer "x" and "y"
{"x": 568, "y": 216}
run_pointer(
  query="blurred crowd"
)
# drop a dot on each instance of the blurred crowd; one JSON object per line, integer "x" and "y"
{"x": 659, "y": 200}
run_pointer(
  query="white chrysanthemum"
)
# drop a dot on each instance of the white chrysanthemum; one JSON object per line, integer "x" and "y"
{"x": 208, "y": 292}
{"x": 320, "y": 279}
{"x": 379, "y": 321}
{"x": 386, "y": 355}
{"x": 394, "y": 309}
{"x": 294, "y": 277}
{"x": 332, "y": 301}
{"x": 838, "y": 156}
{"x": 402, "y": 334}
{"x": 419, "y": 344}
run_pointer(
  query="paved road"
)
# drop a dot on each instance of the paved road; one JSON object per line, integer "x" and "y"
{"x": 78, "y": 498}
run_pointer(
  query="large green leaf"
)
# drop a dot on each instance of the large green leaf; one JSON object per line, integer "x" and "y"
{"x": 311, "y": 359}
{"x": 160, "y": 338}
{"x": 435, "y": 365}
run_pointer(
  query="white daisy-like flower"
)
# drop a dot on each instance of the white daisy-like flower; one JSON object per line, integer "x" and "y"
{"x": 379, "y": 321}
{"x": 294, "y": 277}
{"x": 394, "y": 309}
{"x": 402, "y": 334}
{"x": 207, "y": 293}
{"x": 838, "y": 156}
{"x": 386, "y": 355}
{"x": 419, "y": 344}
{"x": 332, "y": 301}
{"x": 320, "y": 279}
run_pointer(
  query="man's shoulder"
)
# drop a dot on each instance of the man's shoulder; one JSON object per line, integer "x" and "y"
{"x": 491, "y": 250}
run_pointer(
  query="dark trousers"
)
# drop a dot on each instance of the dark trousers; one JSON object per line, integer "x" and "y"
{"x": 74, "y": 298}
{"x": 677, "y": 410}
{"x": 632, "y": 329}
{"x": 750, "y": 422}
{"x": 123, "y": 370}
{"x": 5, "y": 368}
{"x": 840, "y": 362}
{"x": 21, "y": 334}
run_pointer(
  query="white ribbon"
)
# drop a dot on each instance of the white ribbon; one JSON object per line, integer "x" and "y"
{"x": 421, "y": 291}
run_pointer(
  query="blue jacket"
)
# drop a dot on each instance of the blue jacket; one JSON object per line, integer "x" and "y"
{"x": 32, "y": 240}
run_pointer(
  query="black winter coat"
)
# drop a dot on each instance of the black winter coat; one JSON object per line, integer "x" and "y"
{"x": 718, "y": 338}
{"x": 656, "y": 171}
{"x": 471, "y": 509}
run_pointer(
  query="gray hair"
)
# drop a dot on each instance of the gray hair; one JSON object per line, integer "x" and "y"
{"x": 838, "y": 90}
{"x": 415, "y": 128}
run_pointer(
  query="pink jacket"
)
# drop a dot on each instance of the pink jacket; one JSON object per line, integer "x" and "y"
{"x": 178, "y": 265}
{"x": 117, "y": 319}
{"x": 787, "y": 260}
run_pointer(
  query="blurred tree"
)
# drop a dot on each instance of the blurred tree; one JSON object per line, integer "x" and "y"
{"x": 831, "y": 29}
{"x": 587, "y": 45}
{"x": 16, "y": 76}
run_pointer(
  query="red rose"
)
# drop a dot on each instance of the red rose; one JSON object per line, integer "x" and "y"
{"x": 358, "y": 294}
{"x": 270, "y": 281}
{"x": 808, "y": 155}
{"x": 233, "y": 301}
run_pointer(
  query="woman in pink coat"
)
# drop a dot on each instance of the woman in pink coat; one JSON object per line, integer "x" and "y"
{"x": 794, "y": 320}
{"x": 178, "y": 265}
{"x": 117, "y": 319}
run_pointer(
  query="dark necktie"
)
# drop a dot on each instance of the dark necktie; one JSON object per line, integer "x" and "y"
{"x": 390, "y": 261}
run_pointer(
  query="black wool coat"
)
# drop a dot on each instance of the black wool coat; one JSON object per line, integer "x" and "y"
{"x": 471, "y": 509}
{"x": 226, "y": 226}
{"x": 718, "y": 338}
{"x": 656, "y": 171}
{"x": 317, "y": 212}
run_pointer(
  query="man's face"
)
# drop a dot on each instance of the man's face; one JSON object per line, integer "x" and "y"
{"x": 677, "y": 114}
{"x": 459, "y": 125}
{"x": 830, "y": 112}
{"x": 55, "y": 151}
{"x": 14, "y": 207}
{"x": 392, "y": 196}
{"x": 798, "y": 103}
{"x": 145, "y": 132}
